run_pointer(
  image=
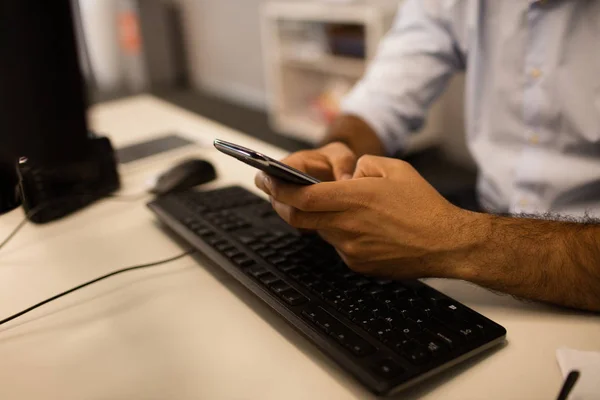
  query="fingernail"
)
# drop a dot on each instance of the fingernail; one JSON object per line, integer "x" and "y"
{"x": 268, "y": 184}
{"x": 345, "y": 177}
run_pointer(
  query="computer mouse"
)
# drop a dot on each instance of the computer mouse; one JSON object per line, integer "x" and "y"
{"x": 185, "y": 175}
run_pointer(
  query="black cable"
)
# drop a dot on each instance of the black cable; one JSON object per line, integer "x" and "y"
{"x": 34, "y": 211}
{"x": 13, "y": 233}
{"x": 120, "y": 271}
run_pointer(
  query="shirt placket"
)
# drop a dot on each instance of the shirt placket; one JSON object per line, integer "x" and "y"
{"x": 527, "y": 195}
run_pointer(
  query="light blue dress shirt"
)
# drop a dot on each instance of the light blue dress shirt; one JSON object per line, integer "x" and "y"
{"x": 533, "y": 94}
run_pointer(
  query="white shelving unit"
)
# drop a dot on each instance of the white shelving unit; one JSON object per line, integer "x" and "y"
{"x": 295, "y": 78}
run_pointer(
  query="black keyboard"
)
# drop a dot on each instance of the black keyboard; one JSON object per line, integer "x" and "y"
{"x": 388, "y": 334}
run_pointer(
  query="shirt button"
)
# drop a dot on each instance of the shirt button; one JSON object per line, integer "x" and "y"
{"x": 536, "y": 73}
{"x": 534, "y": 138}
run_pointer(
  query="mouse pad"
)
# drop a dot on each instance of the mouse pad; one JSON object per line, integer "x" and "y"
{"x": 152, "y": 147}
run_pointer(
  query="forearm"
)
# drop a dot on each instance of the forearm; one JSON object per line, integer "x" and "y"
{"x": 356, "y": 134}
{"x": 555, "y": 262}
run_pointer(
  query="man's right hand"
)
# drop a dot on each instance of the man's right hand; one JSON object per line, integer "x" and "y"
{"x": 332, "y": 162}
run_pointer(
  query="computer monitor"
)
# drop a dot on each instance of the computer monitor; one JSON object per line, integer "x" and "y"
{"x": 42, "y": 100}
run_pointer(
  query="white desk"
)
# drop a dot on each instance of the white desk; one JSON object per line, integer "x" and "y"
{"x": 187, "y": 331}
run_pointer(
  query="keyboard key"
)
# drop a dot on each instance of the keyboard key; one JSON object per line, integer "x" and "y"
{"x": 247, "y": 239}
{"x": 386, "y": 298}
{"x": 400, "y": 292}
{"x": 359, "y": 282}
{"x": 334, "y": 298}
{"x": 310, "y": 314}
{"x": 465, "y": 330}
{"x": 293, "y": 297}
{"x": 328, "y": 323}
{"x": 390, "y": 336}
{"x": 408, "y": 328}
{"x": 307, "y": 280}
{"x": 287, "y": 267}
{"x": 321, "y": 318}
{"x": 233, "y": 252}
{"x": 321, "y": 289}
{"x": 363, "y": 318}
{"x": 444, "y": 336}
{"x": 229, "y": 226}
{"x": 373, "y": 289}
{"x": 276, "y": 260}
{"x": 359, "y": 346}
{"x": 223, "y": 246}
{"x": 387, "y": 369}
{"x": 243, "y": 260}
{"x": 205, "y": 232}
{"x": 265, "y": 253}
{"x": 349, "y": 309}
{"x": 279, "y": 245}
{"x": 416, "y": 302}
{"x": 288, "y": 252}
{"x": 378, "y": 325}
{"x": 341, "y": 334}
{"x": 297, "y": 273}
{"x": 268, "y": 278}
{"x": 279, "y": 287}
{"x": 415, "y": 353}
{"x": 257, "y": 271}
{"x": 269, "y": 239}
{"x": 257, "y": 246}
{"x": 432, "y": 344}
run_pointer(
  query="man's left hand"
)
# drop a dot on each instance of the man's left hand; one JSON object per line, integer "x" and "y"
{"x": 386, "y": 220}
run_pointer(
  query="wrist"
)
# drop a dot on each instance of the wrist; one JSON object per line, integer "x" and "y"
{"x": 471, "y": 246}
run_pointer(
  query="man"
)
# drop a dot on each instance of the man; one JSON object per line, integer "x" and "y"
{"x": 533, "y": 108}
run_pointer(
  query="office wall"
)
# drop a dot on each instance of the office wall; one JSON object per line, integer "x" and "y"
{"x": 223, "y": 47}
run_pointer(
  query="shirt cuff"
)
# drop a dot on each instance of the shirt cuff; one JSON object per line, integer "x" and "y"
{"x": 391, "y": 131}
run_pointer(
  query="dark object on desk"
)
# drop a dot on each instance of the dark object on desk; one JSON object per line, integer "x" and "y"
{"x": 42, "y": 101}
{"x": 9, "y": 197}
{"x": 184, "y": 176}
{"x": 56, "y": 190}
{"x": 43, "y": 111}
{"x": 152, "y": 147}
{"x": 388, "y": 334}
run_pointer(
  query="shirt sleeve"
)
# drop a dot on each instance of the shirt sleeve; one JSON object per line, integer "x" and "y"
{"x": 413, "y": 65}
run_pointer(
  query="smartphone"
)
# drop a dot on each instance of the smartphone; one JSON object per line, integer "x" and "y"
{"x": 266, "y": 164}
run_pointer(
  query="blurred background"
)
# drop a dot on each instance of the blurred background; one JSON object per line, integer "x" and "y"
{"x": 275, "y": 69}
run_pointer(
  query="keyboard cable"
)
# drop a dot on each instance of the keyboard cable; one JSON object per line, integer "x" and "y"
{"x": 101, "y": 278}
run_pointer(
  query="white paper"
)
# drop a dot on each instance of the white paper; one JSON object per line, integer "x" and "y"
{"x": 588, "y": 365}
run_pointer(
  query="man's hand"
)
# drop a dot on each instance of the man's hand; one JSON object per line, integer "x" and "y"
{"x": 332, "y": 162}
{"x": 386, "y": 220}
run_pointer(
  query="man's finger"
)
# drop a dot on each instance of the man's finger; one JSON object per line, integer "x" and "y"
{"x": 321, "y": 197}
{"x": 310, "y": 162}
{"x": 341, "y": 159}
{"x": 378, "y": 167}
{"x": 299, "y": 219}
{"x": 334, "y": 161}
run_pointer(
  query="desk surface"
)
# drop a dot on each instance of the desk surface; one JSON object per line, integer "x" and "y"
{"x": 186, "y": 330}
